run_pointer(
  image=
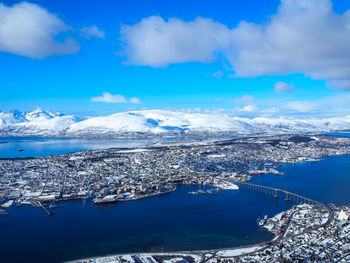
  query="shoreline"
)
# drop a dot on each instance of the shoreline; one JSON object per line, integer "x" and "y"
{"x": 222, "y": 253}
{"x": 144, "y": 171}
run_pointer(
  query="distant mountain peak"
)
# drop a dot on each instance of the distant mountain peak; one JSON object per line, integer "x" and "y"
{"x": 39, "y": 114}
{"x": 158, "y": 123}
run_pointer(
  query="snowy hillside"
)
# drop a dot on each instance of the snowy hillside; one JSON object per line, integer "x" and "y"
{"x": 157, "y": 123}
{"x": 35, "y": 123}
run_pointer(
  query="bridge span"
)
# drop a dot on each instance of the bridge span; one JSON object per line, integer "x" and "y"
{"x": 276, "y": 193}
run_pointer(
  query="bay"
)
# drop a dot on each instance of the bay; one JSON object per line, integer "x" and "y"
{"x": 172, "y": 222}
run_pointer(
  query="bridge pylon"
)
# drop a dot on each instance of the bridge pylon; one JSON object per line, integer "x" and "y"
{"x": 287, "y": 198}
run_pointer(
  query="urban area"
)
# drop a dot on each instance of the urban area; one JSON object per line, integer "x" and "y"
{"x": 310, "y": 231}
{"x": 114, "y": 175}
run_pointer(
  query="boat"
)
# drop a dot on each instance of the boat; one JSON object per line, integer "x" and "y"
{"x": 213, "y": 191}
{"x": 197, "y": 192}
{"x": 20, "y": 150}
{"x": 109, "y": 199}
{"x": 261, "y": 222}
{"x": 255, "y": 173}
{"x": 7, "y": 204}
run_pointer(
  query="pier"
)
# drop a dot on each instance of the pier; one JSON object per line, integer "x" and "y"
{"x": 276, "y": 193}
{"x": 49, "y": 213}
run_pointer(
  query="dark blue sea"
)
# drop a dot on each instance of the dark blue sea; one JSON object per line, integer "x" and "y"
{"x": 176, "y": 221}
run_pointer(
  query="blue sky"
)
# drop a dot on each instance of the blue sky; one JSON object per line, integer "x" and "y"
{"x": 249, "y": 58}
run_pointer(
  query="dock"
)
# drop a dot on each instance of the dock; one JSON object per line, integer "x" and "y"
{"x": 49, "y": 213}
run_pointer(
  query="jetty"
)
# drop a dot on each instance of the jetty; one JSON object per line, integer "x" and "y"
{"x": 49, "y": 213}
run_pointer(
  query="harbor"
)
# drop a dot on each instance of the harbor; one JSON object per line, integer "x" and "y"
{"x": 174, "y": 221}
{"x": 117, "y": 175}
{"x": 170, "y": 222}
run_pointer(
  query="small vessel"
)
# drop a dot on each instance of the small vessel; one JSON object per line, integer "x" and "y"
{"x": 262, "y": 222}
{"x": 213, "y": 191}
{"x": 197, "y": 192}
{"x": 255, "y": 173}
{"x": 109, "y": 199}
{"x": 20, "y": 150}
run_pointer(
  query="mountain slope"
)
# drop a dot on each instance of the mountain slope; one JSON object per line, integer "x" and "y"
{"x": 157, "y": 123}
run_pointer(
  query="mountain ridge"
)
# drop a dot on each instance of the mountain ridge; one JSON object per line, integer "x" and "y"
{"x": 158, "y": 123}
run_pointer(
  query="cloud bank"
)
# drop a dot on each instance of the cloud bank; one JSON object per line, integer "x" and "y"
{"x": 29, "y": 30}
{"x": 304, "y": 36}
{"x": 109, "y": 98}
{"x": 158, "y": 43}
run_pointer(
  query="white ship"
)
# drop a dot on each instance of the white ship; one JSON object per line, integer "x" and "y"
{"x": 108, "y": 199}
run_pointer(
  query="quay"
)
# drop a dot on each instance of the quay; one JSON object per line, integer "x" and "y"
{"x": 49, "y": 213}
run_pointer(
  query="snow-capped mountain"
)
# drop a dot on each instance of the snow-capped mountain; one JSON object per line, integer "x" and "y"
{"x": 39, "y": 114}
{"x": 157, "y": 123}
{"x": 35, "y": 123}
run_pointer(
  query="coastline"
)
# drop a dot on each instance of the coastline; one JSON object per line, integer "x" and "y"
{"x": 224, "y": 253}
{"x": 210, "y": 157}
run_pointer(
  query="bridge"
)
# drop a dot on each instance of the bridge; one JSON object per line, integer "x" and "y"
{"x": 276, "y": 193}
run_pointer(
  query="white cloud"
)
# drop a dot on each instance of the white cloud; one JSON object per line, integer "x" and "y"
{"x": 92, "y": 31}
{"x": 304, "y": 36}
{"x": 135, "y": 100}
{"x": 270, "y": 110}
{"x": 245, "y": 98}
{"x": 157, "y": 43}
{"x": 249, "y": 108}
{"x": 29, "y": 30}
{"x": 282, "y": 87}
{"x": 109, "y": 98}
{"x": 300, "y": 106}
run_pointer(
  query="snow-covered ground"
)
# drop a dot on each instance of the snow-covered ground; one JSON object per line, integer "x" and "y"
{"x": 238, "y": 251}
{"x": 157, "y": 123}
{"x": 225, "y": 185}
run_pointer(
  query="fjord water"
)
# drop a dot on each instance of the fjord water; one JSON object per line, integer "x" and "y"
{"x": 39, "y": 146}
{"x": 176, "y": 221}
{"x": 327, "y": 181}
{"x": 36, "y": 146}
